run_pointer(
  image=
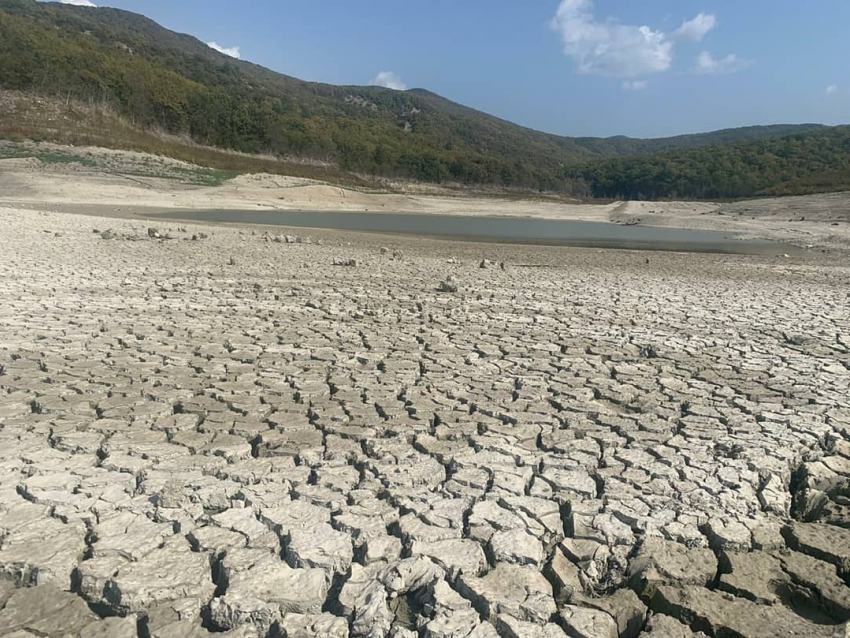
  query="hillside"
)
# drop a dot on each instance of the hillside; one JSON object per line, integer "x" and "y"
{"x": 791, "y": 165}
{"x": 159, "y": 79}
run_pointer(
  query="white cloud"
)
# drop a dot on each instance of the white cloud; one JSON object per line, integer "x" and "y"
{"x": 697, "y": 28}
{"x": 707, "y": 64}
{"x": 832, "y": 89}
{"x": 388, "y": 80}
{"x": 79, "y": 3}
{"x": 610, "y": 48}
{"x": 233, "y": 52}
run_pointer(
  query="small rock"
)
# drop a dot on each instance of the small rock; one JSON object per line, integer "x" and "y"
{"x": 449, "y": 285}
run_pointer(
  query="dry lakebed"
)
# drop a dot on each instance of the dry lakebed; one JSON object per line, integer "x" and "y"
{"x": 258, "y": 431}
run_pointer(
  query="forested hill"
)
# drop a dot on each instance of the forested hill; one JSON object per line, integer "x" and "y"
{"x": 158, "y": 78}
{"x": 791, "y": 165}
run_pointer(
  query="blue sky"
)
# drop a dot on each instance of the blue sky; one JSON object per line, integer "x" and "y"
{"x": 573, "y": 67}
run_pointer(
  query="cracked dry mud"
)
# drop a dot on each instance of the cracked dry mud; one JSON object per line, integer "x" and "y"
{"x": 233, "y": 435}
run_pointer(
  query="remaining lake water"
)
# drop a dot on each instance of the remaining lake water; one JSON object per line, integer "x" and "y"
{"x": 553, "y": 232}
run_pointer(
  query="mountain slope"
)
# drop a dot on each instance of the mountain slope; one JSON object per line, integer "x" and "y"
{"x": 158, "y": 78}
{"x": 791, "y": 165}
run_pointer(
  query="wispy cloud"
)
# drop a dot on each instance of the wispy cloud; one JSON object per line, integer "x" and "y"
{"x": 233, "y": 52}
{"x": 636, "y": 85}
{"x": 610, "y": 48}
{"x": 707, "y": 64}
{"x": 388, "y": 80}
{"x": 697, "y": 28}
{"x": 832, "y": 89}
{"x": 79, "y": 3}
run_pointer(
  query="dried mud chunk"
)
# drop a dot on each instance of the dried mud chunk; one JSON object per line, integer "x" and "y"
{"x": 661, "y": 562}
{"x": 45, "y": 611}
{"x": 719, "y": 615}
{"x": 521, "y": 592}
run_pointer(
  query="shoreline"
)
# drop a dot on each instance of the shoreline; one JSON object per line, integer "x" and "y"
{"x": 127, "y": 184}
{"x": 156, "y": 216}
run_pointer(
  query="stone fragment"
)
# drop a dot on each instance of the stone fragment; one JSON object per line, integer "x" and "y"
{"x": 448, "y": 285}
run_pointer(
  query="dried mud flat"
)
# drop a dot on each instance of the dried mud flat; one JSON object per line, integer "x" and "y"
{"x": 229, "y": 433}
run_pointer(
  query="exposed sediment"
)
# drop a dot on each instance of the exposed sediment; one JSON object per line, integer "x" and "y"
{"x": 210, "y": 430}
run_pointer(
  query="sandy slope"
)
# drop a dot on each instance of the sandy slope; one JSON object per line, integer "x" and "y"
{"x": 29, "y": 181}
